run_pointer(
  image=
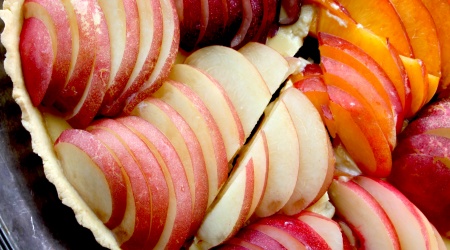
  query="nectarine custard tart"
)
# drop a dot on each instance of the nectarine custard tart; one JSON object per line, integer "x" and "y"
{"x": 169, "y": 124}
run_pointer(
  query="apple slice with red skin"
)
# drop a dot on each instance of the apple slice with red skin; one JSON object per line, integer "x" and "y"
{"x": 403, "y": 214}
{"x": 257, "y": 238}
{"x": 94, "y": 173}
{"x": 315, "y": 166}
{"x": 167, "y": 54}
{"x": 365, "y": 64}
{"x": 285, "y": 239}
{"x": 253, "y": 14}
{"x": 179, "y": 214}
{"x": 272, "y": 66}
{"x": 177, "y": 130}
{"x": 189, "y": 105}
{"x": 189, "y": 14}
{"x": 433, "y": 125}
{"x": 238, "y": 79}
{"x": 236, "y": 243}
{"x": 55, "y": 20}
{"x": 215, "y": 16}
{"x": 419, "y": 175}
{"x": 359, "y": 132}
{"x": 150, "y": 42}
{"x": 376, "y": 96}
{"x": 363, "y": 214}
{"x": 123, "y": 27}
{"x": 298, "y": 229}
{"x": 36, "y": 54}
{"x": 227, "y": 214}
{"x": 282, "y": 176}
{"x": 90, "y": 102}
{"x": 138, "y": 203}
{"x": 327, "y": 228}
{"x": 84, "y": 40}
{"x": 270, "y": 12}
{"x": 157, "y": 184}
{"x": 218, "y": 103}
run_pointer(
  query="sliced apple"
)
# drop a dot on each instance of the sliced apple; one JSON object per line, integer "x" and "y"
{"x": 150, "y": 41}
{"x": 218, "y": 103}
{"x": 167, "y": 54}
{"x": 123, "y": 28}
{"x": 177, "y": 130}
{"x": 315, "y": 170}
{"x": 53, "y": 16}
{"x": 427, "y": 125}
{"x": 286, "y": 240}
{"x": 407, "y": 222}
{"x": 258, "y": 238}
{"x": 327, "y": 228}
{"x": 362, "y": 212}
{"x": 94, "y": 173}
{"x": 283, "y": 161}
{"x": 273, "y": 67}
{"x": 215, "y": 14}
{"x": 149, "y": 230}
{"x": 179, "y": 214}
{"x": 250, "y": 96}
{"x": 189, "y": 105}
{"x": 253, "y": 14}
{"x": 189, "y": 14}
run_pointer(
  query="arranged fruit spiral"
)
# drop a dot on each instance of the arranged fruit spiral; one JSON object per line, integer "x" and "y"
{"x": 195, "y": 124}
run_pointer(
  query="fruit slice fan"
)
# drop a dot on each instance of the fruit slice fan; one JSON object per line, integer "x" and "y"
{"x": 200, "y": 124}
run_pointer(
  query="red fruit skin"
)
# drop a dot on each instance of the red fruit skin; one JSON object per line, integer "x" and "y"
{"x": 37, "y": 58}
{"x": 422, "y": 179}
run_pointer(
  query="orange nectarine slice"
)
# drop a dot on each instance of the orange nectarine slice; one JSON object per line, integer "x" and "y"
{"x": 418, "y": 79}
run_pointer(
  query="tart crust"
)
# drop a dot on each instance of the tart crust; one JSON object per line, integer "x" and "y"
{"x": 33, "y": 122}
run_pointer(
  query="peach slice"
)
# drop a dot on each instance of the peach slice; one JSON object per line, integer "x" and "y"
{"x": 438, "y": 10}
{"x": 167, "y": 55}
{"x": 94, "y": 173}
{"x": 188, "y": 105}
{"x": 273, "y": 67}
{"x": 381, "y": 18}
{"x": 315, "y": 169}
{"x": 218, "y": 103}
{"x": 179, "y": 213}
{"x": 348, "y": 53}
{"x": 421, "y": 30}
{"x": 177, "y": 130}
{"x": 418, "y": 78}
{"x": 360, "y": 134}
{"x": 336, "y": 22}
{"x": 403, "y": 214}
{"x": 241, "y": 80}
{"x": 346, "y": 77}
{"x": 363, "y": 214}
{"x": 315, "y": 89}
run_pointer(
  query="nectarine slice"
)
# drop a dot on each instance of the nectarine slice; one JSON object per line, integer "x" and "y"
{"x": 418, "y": 78}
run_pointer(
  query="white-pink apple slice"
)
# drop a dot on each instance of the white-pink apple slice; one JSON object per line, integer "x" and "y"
{"x": 150, "y": 41}
{"x": 440, "y": 240}
{"x": 167, "y": 54}
{"x": 150, "y": 228}
{"x": 90, "y": 101}
{"x": 430, "y": 230}
{"x": 283, "y": 148}
{"x": 177, "y": 130}
{"x": 229, "y": 210}
{"x": 122, "y": 17}
{"x": 241, "y": 80}
{"x": 272, "y": 66}
{"x": 286, "y": 240}
{"x": 408, "y": 224}
{"x": 364, "y": 214}
{"x": 195, "y": 113}
{"x": 53, "y": 15}
{"x": 94, "y": 173}
{"x": 179, "y": 213}
{"x": 327, "y": 228}
{"x": 217, "y": 102}
{"x": 315, "y": 170}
